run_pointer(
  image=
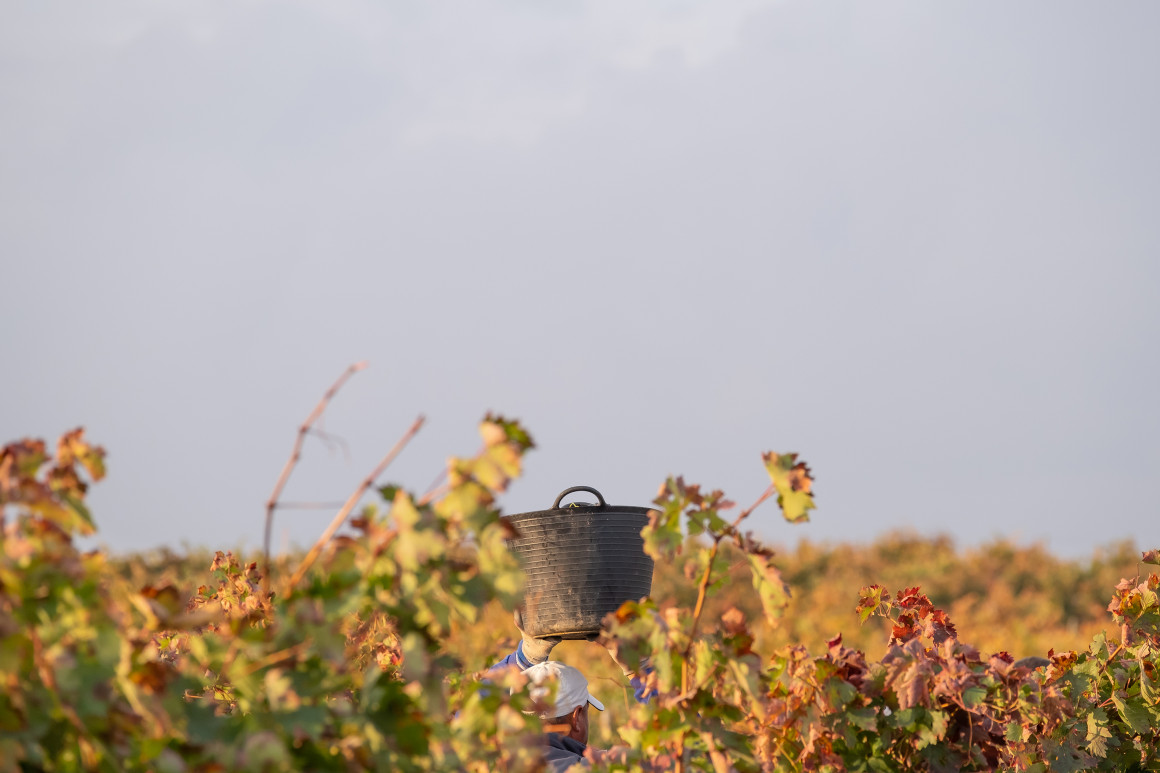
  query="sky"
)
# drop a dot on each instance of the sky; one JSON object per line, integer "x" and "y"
{"x": 916, "y": 243}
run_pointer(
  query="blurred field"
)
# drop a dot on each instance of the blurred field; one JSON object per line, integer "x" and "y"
{"x": 1001, "y": 596}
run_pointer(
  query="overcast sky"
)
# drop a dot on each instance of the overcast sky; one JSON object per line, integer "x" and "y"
{"x": 916, "y": 242}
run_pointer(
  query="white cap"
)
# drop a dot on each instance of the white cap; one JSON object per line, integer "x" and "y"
{"x": 571, "y": 688}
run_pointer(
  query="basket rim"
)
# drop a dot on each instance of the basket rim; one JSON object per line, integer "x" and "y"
{"x": 585, "y": 510}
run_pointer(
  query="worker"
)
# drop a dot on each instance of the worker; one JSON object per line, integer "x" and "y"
{"x": 531, "y": 651}
{"x": 567, "y": 742}
{"x": 567, "y": 717}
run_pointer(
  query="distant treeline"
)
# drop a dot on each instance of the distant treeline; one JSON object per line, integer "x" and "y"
{"x": 1002, "y": 596}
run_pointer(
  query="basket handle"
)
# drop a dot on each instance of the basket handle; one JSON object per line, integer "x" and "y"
{"x": 573, "y": 490}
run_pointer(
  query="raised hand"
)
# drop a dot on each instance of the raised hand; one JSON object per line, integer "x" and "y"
{"x": 535, "y": 650}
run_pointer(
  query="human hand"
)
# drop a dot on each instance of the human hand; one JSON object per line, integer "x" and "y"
{"x": 623, "y": 755}
{"x": 535, "y": 650}
{"x": 615, "y": 755}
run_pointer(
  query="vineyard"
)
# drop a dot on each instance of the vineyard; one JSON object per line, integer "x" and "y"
{"x": 367, "y": 653}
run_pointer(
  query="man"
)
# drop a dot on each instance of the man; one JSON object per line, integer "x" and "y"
{"x": 568, "y": 742}
{"x": 531, "y": 651}
{"x": 566, "y": 719}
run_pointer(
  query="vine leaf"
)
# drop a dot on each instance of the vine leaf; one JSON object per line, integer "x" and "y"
{"x": 768, "y": 583}
{"x": 505, "y": 443}
{"x": 1098, "y": 733}
{"x": 873, "y": 599}
{"x": 1134, "y": 712}
{"x": 907, "y": 673}
{"x": 793, "y": 482}
{"x": 662, "y": 534}
{"x": 72, "y": 448}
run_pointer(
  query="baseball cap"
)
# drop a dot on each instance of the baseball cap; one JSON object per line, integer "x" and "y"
{"x": 571, "y": 688}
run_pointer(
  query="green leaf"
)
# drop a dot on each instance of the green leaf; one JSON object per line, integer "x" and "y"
{"x": 701, "y": 521}
{"x": 973, "y": 697}
{"x": 839, "y": 692}
{"x": 938, "y": 724}
{"x": 1098, "y": 733}
{"x": 1134, "y": 712}
{"x": 792, "y": 480}
{"x": 86, "y": 525}
{"x": 771, "y": 588}
{"x": 705, "y": 661}
{"x": 497, "y": 429}
{"x": 264, "y": 751}
{"x": 872, "y": 599}
{"x": 662, "y": 534}
{"x": 1064, "y": 758}
{"x": 863, "y": 719}
{"x": 908, "y": 719}
{"x": 1149, "y": 688}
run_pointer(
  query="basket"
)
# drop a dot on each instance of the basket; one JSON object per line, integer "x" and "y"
{"x": 582, "y": 562}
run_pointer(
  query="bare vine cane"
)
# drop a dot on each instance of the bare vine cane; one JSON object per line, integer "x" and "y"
{"x": 352, "y": 500}
{"x": 295, "y": 455}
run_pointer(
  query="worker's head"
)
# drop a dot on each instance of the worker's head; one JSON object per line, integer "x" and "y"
{"x": 572, "y": 697}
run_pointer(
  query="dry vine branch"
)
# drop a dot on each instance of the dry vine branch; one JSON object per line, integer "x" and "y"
{"x": 295, "y": 455}
{"x": 351, "y": 501}
{"x": 747, "y": 511}
{"x": 332, "y": 441}
{"x": 434, "y": 494}
{"x": 437, "y": 485}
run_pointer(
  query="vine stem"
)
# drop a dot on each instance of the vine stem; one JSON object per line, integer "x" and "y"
{"x": 702, "y": 591}
{"x": 785, "y": 755}
{"x": 292, "y": 462}
{"x": 500, "y": 759}
{"x": 308, "y": 505}
{"x": 275, "y": 658}
{"x": 719, "y": 760}
{"x": 87, "y": 743}
{"x": 703, "y": 587}
{"x": 749, "y": 510}
{"x": 351, "y": 501}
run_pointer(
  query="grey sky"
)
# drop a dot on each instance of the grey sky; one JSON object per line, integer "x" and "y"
{"x": 916, "y": 242}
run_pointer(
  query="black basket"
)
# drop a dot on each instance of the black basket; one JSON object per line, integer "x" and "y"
{"x": 581, "y": 562}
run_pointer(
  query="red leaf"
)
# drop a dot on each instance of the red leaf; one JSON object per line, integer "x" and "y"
{"x": 733, "y": 621}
